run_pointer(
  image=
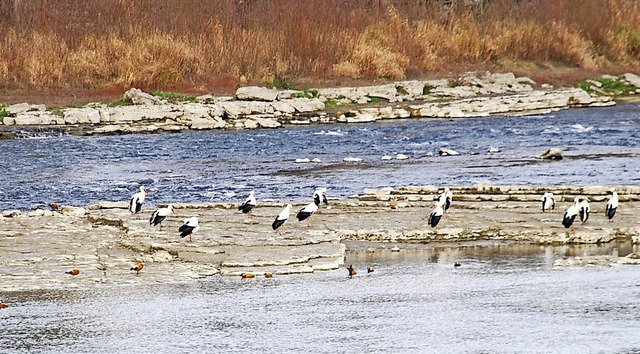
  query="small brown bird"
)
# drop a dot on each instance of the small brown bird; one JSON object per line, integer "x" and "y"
{"x": 268, "y": 275}
{"x": 3, "y": 306}
{"x": 54, "y": 206}
{"x": 352, "y": 271}
{"x": 138, "y": 267}
{"x": 73, "y": 272}
{"x": 247, "y": 275}
{"x": 456, "y": 264}
{"x": 370, "y": 270}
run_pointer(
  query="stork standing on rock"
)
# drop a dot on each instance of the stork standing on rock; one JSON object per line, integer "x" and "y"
{"x": 281, "y": 218}
{"x": 320, "y": 196}
{"x": 548, "y": 202}
{"x": 189, "y": 226}
{"x": 436, "y": 215}
{"x": 135, "y": 204}
{"x": 445, "y": 199}
{"x": 571, "y": 214}
{"x": 306, "y": 212}
{"x": 248, "y": 204}
{"x": 584, "y": 211}
{"x": 612, "y": 206}
{"x": 160, "y": 215}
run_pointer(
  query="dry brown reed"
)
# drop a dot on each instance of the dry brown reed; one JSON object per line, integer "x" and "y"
{"x": 148, "y": 43}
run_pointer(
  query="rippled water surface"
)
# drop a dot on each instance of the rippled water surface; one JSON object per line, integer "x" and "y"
{"x": 602, "y": 147}
{"x": 503, "y": 299}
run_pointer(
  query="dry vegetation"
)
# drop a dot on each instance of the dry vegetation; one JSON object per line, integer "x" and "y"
{"x": 212, "y": 45}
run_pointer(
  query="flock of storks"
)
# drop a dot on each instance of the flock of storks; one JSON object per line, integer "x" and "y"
{"x": 580, "y": 207}
{"x": 191, "y": 225}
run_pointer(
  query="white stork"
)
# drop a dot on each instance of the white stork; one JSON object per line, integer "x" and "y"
{"x": 445, "y": 198}
{"x": 436, "y": 215}
{"x": 135, "y": 204}
{"x": 281, "y": 218}
{"x": 548, "y": 202}
{"x": 570, "y": 215}
{"x": 306, "y": 212}
{"x": 612, "y": 205}
{"x": 584, "y": 211}
{"x": 248, "y": 204}
{"x": 159, "y": 215}
{"x": 320, "y": 196}
{"x": 189, "y": 226}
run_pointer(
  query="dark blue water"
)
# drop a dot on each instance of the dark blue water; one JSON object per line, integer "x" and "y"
{"x": 602, "y": 146}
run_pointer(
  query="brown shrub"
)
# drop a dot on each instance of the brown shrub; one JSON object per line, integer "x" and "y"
{"x": 530, "y": 41}
{"x": 376, "y": 54}
{"x": 151, "y": 43}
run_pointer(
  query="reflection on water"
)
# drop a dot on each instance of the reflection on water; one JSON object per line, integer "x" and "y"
{"x": 504, "y": 298}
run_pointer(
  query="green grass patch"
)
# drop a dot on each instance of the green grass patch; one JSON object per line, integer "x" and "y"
{"x": 332, "y": 104}
{"x": 374, "y": 99}
{"x": 279, "y": 83}
{"x": 337, "y": 103}
{"x": 613, "y": 87}
{"x": 3, "y": 111}
{"x": 124, "y": 101}
{"x": 58, "y": 111}
{"x": 401, "y": 91}
{"x": 174, "y": 97}
{"x": 307, "y": 93}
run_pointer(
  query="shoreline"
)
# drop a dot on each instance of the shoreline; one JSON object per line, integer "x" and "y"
{"x": 470, "y": 95}
{"x": 104, "y": 241}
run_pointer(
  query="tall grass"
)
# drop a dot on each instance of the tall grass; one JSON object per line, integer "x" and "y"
{"x": 159, "y": 44}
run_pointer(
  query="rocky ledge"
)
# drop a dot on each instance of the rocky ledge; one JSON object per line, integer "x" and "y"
{"x": 470, "y": 95}
{"x": 105, "y": 241}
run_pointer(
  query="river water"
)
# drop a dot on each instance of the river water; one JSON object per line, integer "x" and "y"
{"x": 503, "y": 299}
{"x": 602, "y": 146}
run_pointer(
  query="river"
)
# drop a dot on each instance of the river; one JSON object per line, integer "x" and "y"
{"x": 602, "y": 146}
{"x": 503, "y": 299}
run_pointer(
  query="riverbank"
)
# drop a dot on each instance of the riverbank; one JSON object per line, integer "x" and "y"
{"x": 469, "y": 95}
{"x": 105, "y": 241}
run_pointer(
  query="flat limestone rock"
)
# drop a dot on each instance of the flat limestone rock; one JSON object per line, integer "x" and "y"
{"x": 137, "y": 96}
{"x": 109, "y": 205}
{"x": 256, "y": 93}
{"x": 105, "y": 244}
{"x": 24, "y": 107}
{"x": 472, "y": 95}
{"x": 279, "y": 256}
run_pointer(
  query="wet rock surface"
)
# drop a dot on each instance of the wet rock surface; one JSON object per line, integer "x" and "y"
{"x": 105, "y": 242}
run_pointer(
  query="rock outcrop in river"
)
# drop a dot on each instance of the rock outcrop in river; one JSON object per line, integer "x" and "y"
{"x": 104, "y": 242}
{"x": 471, "y": 95}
